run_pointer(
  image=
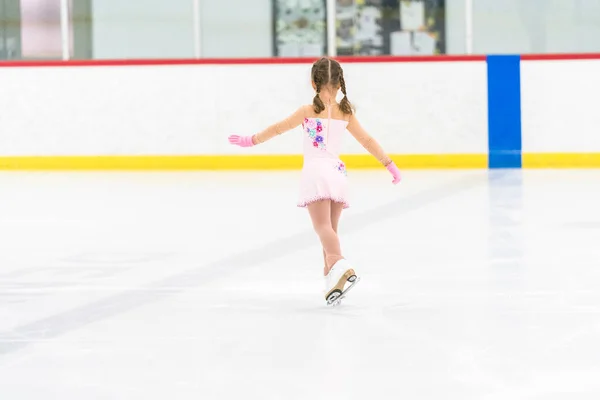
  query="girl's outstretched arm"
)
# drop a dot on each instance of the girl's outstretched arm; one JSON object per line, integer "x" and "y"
{"x": 370, "y": 144}
{"x": 282, "y": 126}
{"x": 278, "y": 128}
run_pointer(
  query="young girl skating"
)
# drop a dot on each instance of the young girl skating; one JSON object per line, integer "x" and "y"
{"x": 323, "y": 181}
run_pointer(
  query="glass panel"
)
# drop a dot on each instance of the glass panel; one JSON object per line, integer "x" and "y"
{"x": 549, "y": 26}
{"x": 10, "y": 30}
{"x": 119, "y": 29}
{"x": 40, "y": 29}
{"x": 126, "y": 29}
{"x": 30, "y": 29}
{"x": 390, "y": 27}
{"x": 300, "y": 28}
{"x": 80, "y": 29}
{"x": 236, "y": 28}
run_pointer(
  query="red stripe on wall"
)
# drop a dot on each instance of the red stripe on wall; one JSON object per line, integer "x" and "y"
{"x": 546, "y": 57}
{"x": 235, "y": 61}
{"x": 281, "y": 60}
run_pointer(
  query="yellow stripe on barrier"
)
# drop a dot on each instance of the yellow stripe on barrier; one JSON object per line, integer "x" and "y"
{"x": 561, "y": 160}
{"x": 228, "y": 162}
{"x": 143, "y": 163}
{"x": 280, "y": 162}
{"x": 420, "y": 161}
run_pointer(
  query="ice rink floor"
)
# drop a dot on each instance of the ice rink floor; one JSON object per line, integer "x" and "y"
{"x": 475, "y": 285}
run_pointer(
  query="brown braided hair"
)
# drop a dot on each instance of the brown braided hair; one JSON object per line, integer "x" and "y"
{"x": 328, "y": 72}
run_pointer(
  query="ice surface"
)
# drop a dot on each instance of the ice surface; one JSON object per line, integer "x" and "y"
{"x": 475, "y": 285}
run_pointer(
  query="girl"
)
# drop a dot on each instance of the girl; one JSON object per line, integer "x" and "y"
{"x": 323, "y": 180}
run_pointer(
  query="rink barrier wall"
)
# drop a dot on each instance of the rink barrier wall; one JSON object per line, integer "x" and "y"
{"x": 179, "y": 116}
{"x": 496, "y": 111}
{"x": 560, "y": 116}
{"x": 533, "y": 101}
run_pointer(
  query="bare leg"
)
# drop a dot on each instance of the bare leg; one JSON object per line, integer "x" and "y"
{"x": 320, "y": 214}
{"x": 335, "y": 214}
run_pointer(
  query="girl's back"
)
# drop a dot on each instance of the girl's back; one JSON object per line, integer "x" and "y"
{"x": 323, "y": 132}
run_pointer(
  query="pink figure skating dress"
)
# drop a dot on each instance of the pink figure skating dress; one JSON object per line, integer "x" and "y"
{"x": 324, "y": 175}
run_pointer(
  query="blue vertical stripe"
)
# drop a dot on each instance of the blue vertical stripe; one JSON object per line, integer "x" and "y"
{"x": 504, "y": 111}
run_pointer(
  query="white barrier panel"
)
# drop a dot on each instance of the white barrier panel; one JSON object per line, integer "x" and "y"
{"x": 559, "y": 106}
{"x": 410, "y": 108}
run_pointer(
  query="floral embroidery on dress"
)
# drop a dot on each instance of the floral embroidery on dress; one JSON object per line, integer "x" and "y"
{"x": 313, "y": 128}
{"x": 341, "y": 168}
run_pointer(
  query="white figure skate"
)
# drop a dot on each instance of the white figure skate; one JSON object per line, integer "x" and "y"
{"x": 336, "y": 282}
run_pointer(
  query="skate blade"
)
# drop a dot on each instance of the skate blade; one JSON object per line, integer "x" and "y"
{"x": 349, "y": 276}
{"x": 334, "y": 302}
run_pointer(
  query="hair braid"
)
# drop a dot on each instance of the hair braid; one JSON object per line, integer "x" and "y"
{"x": 317, "y": 102}
{"x": 345, "y": 105}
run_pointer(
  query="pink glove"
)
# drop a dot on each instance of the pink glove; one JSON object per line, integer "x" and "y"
{"x": 242, "y": 141}
{"x": 395, "y": 172}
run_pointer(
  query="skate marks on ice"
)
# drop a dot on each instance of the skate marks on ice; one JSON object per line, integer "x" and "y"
{"x": 56, "y": 325}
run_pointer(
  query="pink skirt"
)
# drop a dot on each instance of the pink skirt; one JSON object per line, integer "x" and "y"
{"x": 323, "y": 179}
